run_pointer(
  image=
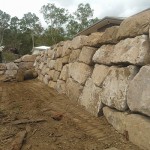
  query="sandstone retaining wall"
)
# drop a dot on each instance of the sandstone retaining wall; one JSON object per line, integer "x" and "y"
{"x": 106, "y": 72}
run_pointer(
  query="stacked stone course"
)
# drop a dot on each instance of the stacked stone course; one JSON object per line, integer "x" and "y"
{"x": 106, "y": 72}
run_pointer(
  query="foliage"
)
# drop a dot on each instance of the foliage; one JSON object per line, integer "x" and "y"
{"x": 27, "y": 32}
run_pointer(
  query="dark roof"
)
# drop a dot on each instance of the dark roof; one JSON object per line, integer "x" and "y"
{"x": 101, "y": 23}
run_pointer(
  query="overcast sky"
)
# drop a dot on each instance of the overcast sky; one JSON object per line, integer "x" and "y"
{"x": 102, "y": 8}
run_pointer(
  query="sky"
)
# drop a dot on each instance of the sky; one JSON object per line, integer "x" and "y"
{"x": 102, "y": 8}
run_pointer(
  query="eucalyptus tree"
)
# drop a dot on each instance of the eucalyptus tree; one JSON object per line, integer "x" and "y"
{"x": 56, "y": 18}
{"x": 4, "y": 23}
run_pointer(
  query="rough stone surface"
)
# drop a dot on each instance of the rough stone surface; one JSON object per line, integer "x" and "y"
{"x": 138, "y": 128}
{"x": 80, "y": 72}
{"x": 51, "y": 74}
{"x": 73, "y": 89}
{"x": 65, "y": 59}
{"x": 2, "y": 67}
{"x": 99, "y": 74}
{"x": 74, "y": 56}
{"x": 28, "y": 58}
{"x": 2, "y": 72}
{"x": 58, "y": 64}
{"x": 11, "y": 73}
{"x": 26, "y": 65}
{"x": 135, "y": 25}
{"x": 30, "y": 74}
{"x": 52, "y": 84}
{"x": 64, "y": 73}
{"x": 132, "y": 51}
{"x": 114, "y": 88}
{"x": 51, "y": 64}
{"x": 90, "y": 98}
{"x": 93, "y": 39}
{"x": 112, "y": 148}
{"x": 61, "y": 86}
{"x": 87, "y": 54}
{"x": 104, "y": 55}
{"x": 109, "y": 36}
{"x": 138, "y": 95}
{"x": 66, "y": 48}
{"x": 45, "y": 70}
{"x": 116, "y": 119}
{"x": 11, "y": 66}
{"x": 46, "y": 79}
{"x": 56, "y": 76}
{"x": 79, "y": 41}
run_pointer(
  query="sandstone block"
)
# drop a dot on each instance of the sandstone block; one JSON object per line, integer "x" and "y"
{"x": 26, "y": 65}
{"x": 114, "y": 88}
{"x": 66, "y": 50}
{"x": 93, "y": 39}
{"x": 116, "y": 119}
{"x": 138, "y": 94}
{"x": 74, "y": 56}
{"x": 90, "y": 98}
{"x": 104, "y": 55}
{"x": 64, "y": 73}
{"x": 65, "y": 59}
{"x": 41, "y": 65}
{"x": 134, "y": 25}
{"x": 52, "y": 84}
{"x": 40, "y": 77}
{"x": 99, "y": 74}
{"x": 73, "y": 89}
{"x": 2, "y": 67}
{"x": 58, "y": 53}
{"x": 11, "y": 66}
{"x": 45, "y": 70}
{"x": 109, "y": 36}
{"x": 138, "y": 128}
{"x": 58, "y": 64}
{"x": 51, "y": 64}
{"x": 79, "y": 41}
{"x": 80, "y": 72}
{"x": 87, "y": 54}
{"x": 51, "y": 74}
{"x": 28, "y": 58}
{"x": 11, "y": 73}
{"x": 2, "y": 72}
{"x": 46, "y": 79}
{"x": 133, "y": 51}
{"x": 61, "y": 86}
{"x": 56, "y": 76}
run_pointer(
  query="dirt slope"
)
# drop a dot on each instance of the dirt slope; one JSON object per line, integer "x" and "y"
{"x": 76, "y": 129}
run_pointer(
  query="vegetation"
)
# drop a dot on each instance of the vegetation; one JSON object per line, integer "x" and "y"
{"x": 27, "y": 32}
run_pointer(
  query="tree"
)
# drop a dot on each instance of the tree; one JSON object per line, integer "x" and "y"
{"x": 4, "y": 23}
{"x": 30, "y": 23}
{"x": 56, "y": 18}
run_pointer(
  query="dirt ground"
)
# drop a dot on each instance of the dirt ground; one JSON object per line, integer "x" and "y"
{"x": 76, "y": 129}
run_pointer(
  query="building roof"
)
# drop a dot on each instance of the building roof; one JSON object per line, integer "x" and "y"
{"x": 100, "y": 24}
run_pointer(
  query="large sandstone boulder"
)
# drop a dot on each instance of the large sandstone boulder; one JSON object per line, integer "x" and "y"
{"x": 51, "y": 64}
{"x": 87, "y": 54}
{"x": 28, "y": 58}
{"x": 138, "y": 95}
{"x": 51, "y": 74}
{"x": 90, "y": 98}
{"x": 11, "y": 73}
{"x": 66, "y": 50}
{"x": 99, "y": 74}
{"x": 116, "y": 119}
{"x": 2, "y": 67}
{"x": 93, "y": 39}
{"x": 61, "y": 86}
{"x": 79, "y": 41}
{"x": 104, "y": 55}
{"x": 74, "y": 56}
{"x": 26, "y": 65}
{"x": 135, "y": 127}
{"x": 135, "y": 25}
{"x": 132, "y": 51}
{"x": 58, "y": 64}
{"x": 64, "y": 73}
{"x": 114, "y": 88}
{"x": 138, "y": 129}
{"x": 109, "y": 36}
{"x": 56, "y": 76}
{"x": 80, "y": 72}
{"x": 11, "y": 66}
{"x": 73, "y": 89}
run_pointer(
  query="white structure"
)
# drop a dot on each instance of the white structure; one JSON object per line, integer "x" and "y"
{"x": 37, "y": 50}
{"x": 1, "y": 48}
